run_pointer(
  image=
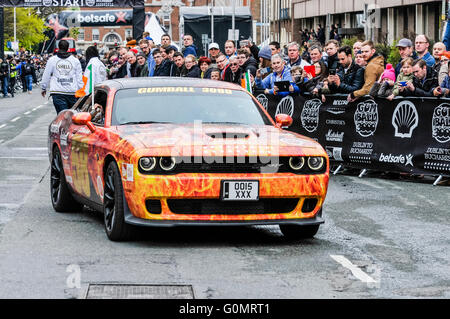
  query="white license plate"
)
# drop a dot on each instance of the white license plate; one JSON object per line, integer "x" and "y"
{"x": 240, "y": 190}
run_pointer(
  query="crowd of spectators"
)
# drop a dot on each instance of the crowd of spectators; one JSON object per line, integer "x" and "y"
{"x": 314, "y": 67}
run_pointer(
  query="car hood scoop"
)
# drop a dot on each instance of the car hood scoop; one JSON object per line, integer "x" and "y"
{"x": 227, "y": 135}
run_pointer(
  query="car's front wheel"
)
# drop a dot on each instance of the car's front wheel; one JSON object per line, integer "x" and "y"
{"x": 296, "y": 232}
{"x": 113, "y": 206}
{"x": 62, "y": 200}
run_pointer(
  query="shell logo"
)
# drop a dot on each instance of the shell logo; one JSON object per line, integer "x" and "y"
{"x": 405, "y": 119}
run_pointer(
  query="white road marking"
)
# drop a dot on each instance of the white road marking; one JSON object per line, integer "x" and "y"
{"x": 31, "y": 158}
{"x": 2, "y": 126}
{"x": 356, "y": 271}
{"x": 27, "y": 112}
{"x": 9, "y": 205}
{"x": 39, "y": 106}
{"x": 1, "y": 141}
{"x": 15, "y": 119}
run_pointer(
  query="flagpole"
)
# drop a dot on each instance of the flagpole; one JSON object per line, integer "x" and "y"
{"x": 91, "y": 84}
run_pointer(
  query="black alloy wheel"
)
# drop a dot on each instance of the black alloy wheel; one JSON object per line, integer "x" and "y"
{"x": 113, "y": 206}
{"x": 62, "y": 199}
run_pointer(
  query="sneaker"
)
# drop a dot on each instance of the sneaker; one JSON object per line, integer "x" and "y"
{"x": 29, "y": 92}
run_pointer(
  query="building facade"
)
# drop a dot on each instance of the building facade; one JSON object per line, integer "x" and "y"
{"x": 378, "y": 20}
{"x": 168, "y": 13}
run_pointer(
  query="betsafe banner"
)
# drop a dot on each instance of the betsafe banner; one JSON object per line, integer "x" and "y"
{"x": 96, "y": 18}
{"x": 72, "y": 3}
{"x": 404, "y": 135}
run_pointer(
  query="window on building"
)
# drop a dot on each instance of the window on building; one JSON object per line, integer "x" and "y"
{"x": 112, "y": 38}
{"x": 128, "y": 33}
{"x": 95, "y": 35}
{"x": 80, "y": 34}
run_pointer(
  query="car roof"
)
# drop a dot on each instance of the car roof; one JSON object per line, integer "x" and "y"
{"x": 135, "y": 83}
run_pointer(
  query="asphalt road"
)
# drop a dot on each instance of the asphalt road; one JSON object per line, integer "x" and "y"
{"x": 382, "y": 238}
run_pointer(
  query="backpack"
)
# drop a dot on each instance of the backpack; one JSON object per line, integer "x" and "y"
{"x": 27, "y": 69}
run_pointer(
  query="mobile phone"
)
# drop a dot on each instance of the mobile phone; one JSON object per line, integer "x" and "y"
{"x": 243, "y": 43}
{"x": 333, "y": 72}
{"x": 264, "y": 71}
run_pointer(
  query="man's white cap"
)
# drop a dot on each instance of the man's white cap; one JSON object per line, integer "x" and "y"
{"x": 213, "y": 45}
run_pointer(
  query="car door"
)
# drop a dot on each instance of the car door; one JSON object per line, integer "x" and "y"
{"x": 86, "y": 164}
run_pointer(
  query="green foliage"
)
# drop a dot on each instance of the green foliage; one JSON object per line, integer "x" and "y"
{"x": 29, "y": 27}
{"x": 383, "y": 49}
{"x": 349, "y": 41}
{"x": 394, "y": 55}
{"x": 74, "y": 32}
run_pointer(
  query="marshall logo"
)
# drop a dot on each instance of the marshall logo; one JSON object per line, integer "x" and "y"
{"x": 310, "y": 115}
{"x": 441, "y": 123}
{"x": 366, "y": 118}
{"x": 334, "y": 136}
{"x": 397, "y": 159}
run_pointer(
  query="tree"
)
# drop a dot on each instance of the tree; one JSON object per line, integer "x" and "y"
{"x": 29, "y": 27}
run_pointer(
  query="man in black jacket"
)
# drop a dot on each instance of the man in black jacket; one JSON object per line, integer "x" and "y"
{"x": 332, "y": 48}
{"x": 5, "y": 71}
{"x": 247, "y": 62}
{"x": 234, "y": 72}
{"x": 424, "y": 83}
{"x": 349, "y": 76}
{"x": 162, "y": 68}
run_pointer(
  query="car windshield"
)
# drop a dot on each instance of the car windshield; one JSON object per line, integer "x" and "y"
{"x": 186, "y": 105}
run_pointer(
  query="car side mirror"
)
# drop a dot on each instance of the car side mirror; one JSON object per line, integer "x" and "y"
{"x": 283, "y": 120}
{"x": 83, "y": 118}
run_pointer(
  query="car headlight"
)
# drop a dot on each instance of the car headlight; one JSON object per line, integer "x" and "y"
{"x": 296, "y": 163}
{"x": 167, "y": 163}
{"x": 147, "y": 164}
{"x": 315, "y": 163}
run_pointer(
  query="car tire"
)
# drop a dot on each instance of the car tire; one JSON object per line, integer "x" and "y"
{"x": 113, "y": 206}
{"x": 62, "y": 200}
{"x": 296, "y": 232}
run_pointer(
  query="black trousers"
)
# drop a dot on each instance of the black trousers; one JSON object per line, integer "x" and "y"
{"x": 24, "y": 83}
{"x": 12, "y": 83}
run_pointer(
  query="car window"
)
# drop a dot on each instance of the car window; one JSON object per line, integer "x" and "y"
{"x": 80, "y": 103}
{"x": 186, "y": 105}
{"x": 98, "y": 109}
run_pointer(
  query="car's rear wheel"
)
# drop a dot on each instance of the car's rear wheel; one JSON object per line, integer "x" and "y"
{"x": 113, "y": 206}
{"x": 296, "y": 232}
{"x": 62, "y": 200}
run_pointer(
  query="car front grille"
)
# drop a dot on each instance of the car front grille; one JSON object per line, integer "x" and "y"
{"x": 264, "y": 165}
{"x": 219, "y": 207}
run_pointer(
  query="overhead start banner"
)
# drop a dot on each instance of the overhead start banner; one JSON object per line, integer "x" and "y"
{"x": 72, "y": 3}
{"x": 404, "y": 135}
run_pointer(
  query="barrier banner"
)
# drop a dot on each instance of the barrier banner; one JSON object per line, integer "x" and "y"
{"x": 404, "y": 135}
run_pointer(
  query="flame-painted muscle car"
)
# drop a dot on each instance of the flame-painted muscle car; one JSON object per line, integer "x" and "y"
{"x": 171, "y": 151}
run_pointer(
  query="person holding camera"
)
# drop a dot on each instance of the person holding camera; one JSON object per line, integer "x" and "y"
{"x": 424, "y": 84}
{"x": 281, "y": 73}
{"x": 403, "y": 78}
{"x": 349, "y": 77}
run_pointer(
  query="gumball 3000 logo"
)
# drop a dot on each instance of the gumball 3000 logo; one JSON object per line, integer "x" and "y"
{"x": 441, "y": 123}
{"x": 310, "y": 115}
{"x": 366, "y": 118}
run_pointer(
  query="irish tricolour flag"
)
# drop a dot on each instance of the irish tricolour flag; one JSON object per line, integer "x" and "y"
{"x": 88, "y": 80}
{"x": 245, "y": 81}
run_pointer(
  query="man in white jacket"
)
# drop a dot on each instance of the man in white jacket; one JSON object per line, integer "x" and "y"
{"x": 62, "y": 78}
